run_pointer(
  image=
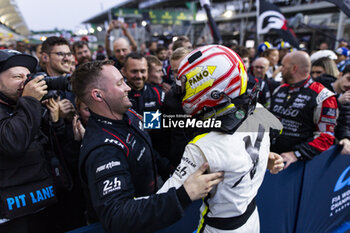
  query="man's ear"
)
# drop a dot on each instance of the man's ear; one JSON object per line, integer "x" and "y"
{"x": 45, "y": 57}
{"x": 96, "y": 95}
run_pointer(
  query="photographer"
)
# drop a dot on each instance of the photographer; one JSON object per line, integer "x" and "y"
{"x": 24, "y": 171}
{"x": 57, "y": 56}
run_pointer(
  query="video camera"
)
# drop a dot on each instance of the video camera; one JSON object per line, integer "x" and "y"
{"x": 54, "y": 84}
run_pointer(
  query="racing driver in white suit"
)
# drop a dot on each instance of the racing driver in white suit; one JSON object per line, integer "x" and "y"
{"x": 214, "y": 82}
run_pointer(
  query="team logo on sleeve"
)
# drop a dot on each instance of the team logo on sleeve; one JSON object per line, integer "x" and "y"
{"x": 323, "y": 95}
{"x": 110, "y": 185}
{"x": 181, "y": 171}
{"x": 331, "y": 112}
{"x": 107, "y": 166}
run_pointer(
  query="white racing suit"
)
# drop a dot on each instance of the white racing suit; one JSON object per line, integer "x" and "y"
{"x": 226, "y": 206}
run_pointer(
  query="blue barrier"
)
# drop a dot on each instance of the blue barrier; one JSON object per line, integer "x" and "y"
{"x": 186, "y": 224}
{"x": 280, "y": 194}
{"x": 303, "y": 198}
{"x": 308, "y": 197}
{"x": 345, "y": 228}
{"x": 323, "y": 205}
{"x": 92, "y": 228}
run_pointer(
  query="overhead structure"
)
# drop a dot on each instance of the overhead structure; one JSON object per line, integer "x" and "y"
{"x": 236, "y": 20}
{"x": 11, "y": 17}
{"x": 103, "y": 16}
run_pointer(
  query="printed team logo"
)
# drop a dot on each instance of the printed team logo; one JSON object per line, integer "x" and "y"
{"x": 343, "y": 180}
{"x": 107, "y": 166}
{"x": 323, "y": 95}
{"x": 332, "y": 112}
{"x": 341, "y": 199}
{"x": 270, "y": 20}
{"x": 109, "y": 140}
{"x": 181, "y": 171}
{"x": 111, "y": 185}
{"x": 199, "y": 79}
{"x": 200, "y": 75}
{"x": 152, "y": 120}
{"x": 347, "y": 3}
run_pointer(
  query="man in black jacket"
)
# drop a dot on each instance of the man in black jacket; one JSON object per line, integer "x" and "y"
{"x": 342, "y": 131}
{"x": 341, "y": 87}
{"x": 117, "y": 162}
{"x": 144, "y": 97}
{"x": 26, "y": 186}
{"x": 57, "y": 56}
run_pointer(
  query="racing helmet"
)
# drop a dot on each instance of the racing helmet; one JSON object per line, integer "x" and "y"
{"x": 212, "y": 77}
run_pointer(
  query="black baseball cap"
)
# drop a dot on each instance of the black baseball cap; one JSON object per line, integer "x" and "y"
{"x": 11, "y": 58}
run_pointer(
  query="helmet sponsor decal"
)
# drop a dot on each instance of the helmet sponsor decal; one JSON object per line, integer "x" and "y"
{"x": 199, "y": 79}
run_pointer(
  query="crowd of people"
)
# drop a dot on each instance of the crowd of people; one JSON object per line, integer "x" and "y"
{"x": 74, "y": 149}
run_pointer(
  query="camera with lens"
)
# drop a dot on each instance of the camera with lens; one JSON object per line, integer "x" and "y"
{"x": 54, "y": 84}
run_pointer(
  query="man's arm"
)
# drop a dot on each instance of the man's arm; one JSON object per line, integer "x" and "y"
{"x": 111, "y": 27}
{"x": 342, "y": 130}
{"x": 275, "y": 163}
{"x": 345, "y": 142}
{"x": 129, "y": 36}
{"x": 190, "y": 162}
{"x": 114, "y": 24}
{"x": 112, "y": 195}
{"x": 18, "y": 129}
{"x": 325, "y": 116}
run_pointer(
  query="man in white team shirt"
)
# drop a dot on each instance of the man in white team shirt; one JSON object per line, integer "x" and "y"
{"x": 213, "y": 80}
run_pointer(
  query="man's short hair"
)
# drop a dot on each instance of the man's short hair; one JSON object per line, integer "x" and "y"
{"x": 180, "y": 41}
{"x": 319, "y": 62}
{"x": 179, "y": 53}
{"x": 241, "y": 51}
{"x": 266, "y": 53}
{"x": 85, "y": 76}
{"x": 346, "y": 70}
{"x": 52, "y": 41}
{"x": 160, "y": 48}
{"x": 137, "y": 56}
{"x": 79, "y": 45}
{"x": 153, "y": 60}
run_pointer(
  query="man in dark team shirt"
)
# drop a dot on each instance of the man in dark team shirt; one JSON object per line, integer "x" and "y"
{"x": 117, "y": 162}
{"x": 306, "y": 109}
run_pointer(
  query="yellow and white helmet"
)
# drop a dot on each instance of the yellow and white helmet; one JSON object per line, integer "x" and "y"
{"x": 211, "y": 76}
